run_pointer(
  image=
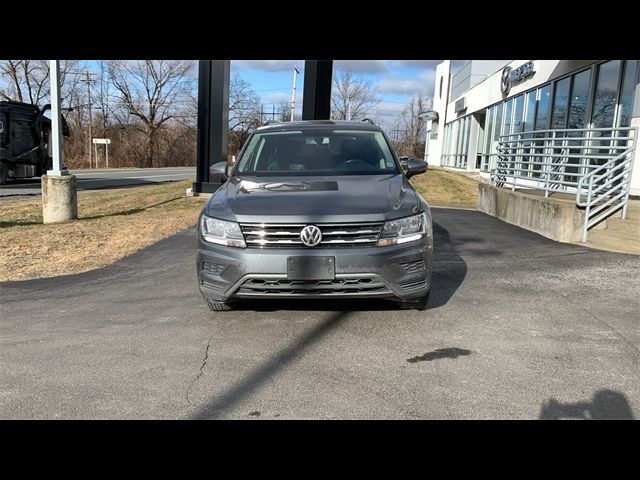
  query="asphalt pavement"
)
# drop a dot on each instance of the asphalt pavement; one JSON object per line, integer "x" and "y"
{"x": 104, "y": 178}
{"x": 518, "y": 327}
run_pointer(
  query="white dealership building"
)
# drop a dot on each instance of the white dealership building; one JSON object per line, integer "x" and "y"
{"x": 485, "y": 99}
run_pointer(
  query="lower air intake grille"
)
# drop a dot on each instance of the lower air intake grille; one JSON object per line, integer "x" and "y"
{"x": 414, "y": 267}
{"x": 413, "y": 284}
{"x": 283, "y": 287}
{"x": 213, "y": 268}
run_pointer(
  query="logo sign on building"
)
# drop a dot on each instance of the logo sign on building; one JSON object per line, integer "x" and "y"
{"x": 460, "y": 105}
{"x": 513, "y": 76}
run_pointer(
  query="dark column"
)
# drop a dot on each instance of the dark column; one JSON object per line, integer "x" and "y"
{"x": 316, "y": 97}
{"x": 213, "y": 120}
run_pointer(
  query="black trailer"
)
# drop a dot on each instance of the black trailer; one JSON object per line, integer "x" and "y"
{"x": 25, "y": 145}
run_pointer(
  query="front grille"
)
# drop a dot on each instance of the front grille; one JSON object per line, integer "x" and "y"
{"x": 284, "y": 287}
{"x": 334, "y": 235}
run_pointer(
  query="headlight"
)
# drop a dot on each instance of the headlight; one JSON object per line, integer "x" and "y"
{"x": 405, "y": 230}
{"x": 221, "y": 232}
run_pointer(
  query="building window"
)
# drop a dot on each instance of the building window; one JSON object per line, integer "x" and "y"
{"x": 604, "y": 103}
{"x": 626, "y": 93}
{"x": 579, "y": 99}
{"x": 560, "y": 103}
{"x": 441, "y": 78}
{"x": 457, "y": 143}
{"x": 542, "y": 110}
{"x": 517, "y": 114}
{"x": 530, "y": 114}
{"x": 508, "y": 107}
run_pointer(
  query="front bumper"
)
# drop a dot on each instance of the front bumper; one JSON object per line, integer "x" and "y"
{"x": 398, "y": 271}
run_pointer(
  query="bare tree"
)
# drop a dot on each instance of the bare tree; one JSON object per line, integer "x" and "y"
{"x": 284, "y": 113}
{"x": 28, "y": 80}
{"x": 352, "y": 97}
{"x": 152, "y": 92}
{"x": 410, "y": 128}
{"x": 244, "y": 112}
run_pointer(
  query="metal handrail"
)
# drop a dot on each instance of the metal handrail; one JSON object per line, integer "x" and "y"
{"x": 562, "y": 160}
{"x": 617, "y": 173}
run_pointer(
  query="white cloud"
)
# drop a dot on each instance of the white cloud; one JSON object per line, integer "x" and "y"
{"x": 361, "y": 66}
{"x": 267, "y": 65}
{"x": 279, "y": 97}
{"x": 417, "y": 63}
{"x": 399, "y": 86}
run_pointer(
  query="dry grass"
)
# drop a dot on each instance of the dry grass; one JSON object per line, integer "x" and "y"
{"x": 117, "y": 223}
{"x": 442, "y": 187}
{"x": 112, "y": 224}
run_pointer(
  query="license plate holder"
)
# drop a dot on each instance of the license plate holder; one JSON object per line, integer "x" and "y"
{"x": 311, "y": 268}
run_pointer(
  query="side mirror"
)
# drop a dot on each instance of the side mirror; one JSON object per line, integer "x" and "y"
{"x": 218, "y": 172}
{"x": 416, "y": 166}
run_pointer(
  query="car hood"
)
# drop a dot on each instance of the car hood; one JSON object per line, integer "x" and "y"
{"x": 350, "y": 198}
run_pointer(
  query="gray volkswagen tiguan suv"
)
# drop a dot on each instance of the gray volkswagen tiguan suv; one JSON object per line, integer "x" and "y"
{"x": 316, "y": 209}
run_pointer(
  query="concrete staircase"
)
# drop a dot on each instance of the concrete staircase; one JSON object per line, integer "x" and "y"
{"x": 617, "y": 235}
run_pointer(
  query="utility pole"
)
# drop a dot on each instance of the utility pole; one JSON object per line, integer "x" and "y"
{"x": 293, "y": 93}
{"x": 88, "y": 80}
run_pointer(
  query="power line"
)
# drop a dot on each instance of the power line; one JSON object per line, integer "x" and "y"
{"x": 88, "y": 80}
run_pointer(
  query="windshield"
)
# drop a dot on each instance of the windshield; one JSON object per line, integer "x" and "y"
{"x": 321, "y": 152}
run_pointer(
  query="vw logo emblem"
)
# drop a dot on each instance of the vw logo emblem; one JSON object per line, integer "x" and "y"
{"x": 311, "y": 235}
{"x": 505, "y": 83}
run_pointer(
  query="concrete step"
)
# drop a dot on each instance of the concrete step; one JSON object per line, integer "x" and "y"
{"x": 628, "y": 225}
{"x": 614, "y": 241}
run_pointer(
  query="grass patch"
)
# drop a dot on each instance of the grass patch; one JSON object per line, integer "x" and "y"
{"x": 115, "y": 223}
{"x": 443, "y": 187}
{"x": 112, "y": 224}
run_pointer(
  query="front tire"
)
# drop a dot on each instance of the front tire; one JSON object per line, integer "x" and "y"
{"x": 218, "y": 306}
{"x": 415, "y": 303}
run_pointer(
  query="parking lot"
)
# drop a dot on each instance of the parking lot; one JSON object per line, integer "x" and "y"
{"x": 518, "y": 327}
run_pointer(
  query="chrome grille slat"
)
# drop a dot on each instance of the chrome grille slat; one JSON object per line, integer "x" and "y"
{"x": 274, "y": 242}
{"x": 344, "y": 232}
{"x": 336, "y": 235}
{"x": 262, "y": 232}
{"x": 356, "y": 240}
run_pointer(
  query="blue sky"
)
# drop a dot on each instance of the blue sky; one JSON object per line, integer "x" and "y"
{"x": 397, "y": 81}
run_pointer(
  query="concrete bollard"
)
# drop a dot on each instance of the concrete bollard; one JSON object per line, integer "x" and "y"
{"x": 59, "y": 198}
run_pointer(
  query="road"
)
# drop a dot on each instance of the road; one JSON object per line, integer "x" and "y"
{"x": 518, "y": 327}
{"x": 101, "y": 178}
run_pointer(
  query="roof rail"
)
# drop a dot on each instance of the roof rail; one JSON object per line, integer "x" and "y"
{"x": 367, "y": 119}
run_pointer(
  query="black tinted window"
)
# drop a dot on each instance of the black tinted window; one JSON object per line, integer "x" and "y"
{"x": 335, "y": 152}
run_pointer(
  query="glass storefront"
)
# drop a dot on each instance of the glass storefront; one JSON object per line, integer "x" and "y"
{"x": 456, "y": 145}
{"x": 600, "y": 96}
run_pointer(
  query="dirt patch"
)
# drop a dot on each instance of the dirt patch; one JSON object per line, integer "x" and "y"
{"x": 112, "y": 225}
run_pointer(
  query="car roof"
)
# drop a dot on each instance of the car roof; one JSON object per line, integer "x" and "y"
{"x": 320, "y": 124}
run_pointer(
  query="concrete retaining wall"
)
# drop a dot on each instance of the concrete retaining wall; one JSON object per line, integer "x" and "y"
{"x": 557, "y": 219}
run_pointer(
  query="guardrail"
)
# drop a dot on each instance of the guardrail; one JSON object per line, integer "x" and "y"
{"x": 593, "y": 163}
